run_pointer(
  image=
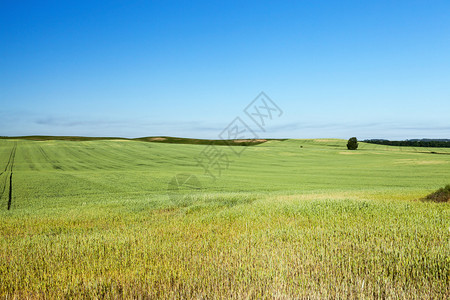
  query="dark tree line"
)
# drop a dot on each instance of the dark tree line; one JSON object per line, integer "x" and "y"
{"x": 413, "y": 143}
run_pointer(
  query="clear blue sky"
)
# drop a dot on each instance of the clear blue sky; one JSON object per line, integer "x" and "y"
{"x": 371, "y": 69}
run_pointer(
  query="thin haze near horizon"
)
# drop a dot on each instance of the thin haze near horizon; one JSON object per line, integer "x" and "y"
{"x": 336, "y": 69}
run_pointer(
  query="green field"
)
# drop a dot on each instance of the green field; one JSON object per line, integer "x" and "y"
{"x": 286, "y": 219}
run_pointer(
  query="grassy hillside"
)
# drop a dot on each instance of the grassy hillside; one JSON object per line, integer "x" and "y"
{"x": 154, "y": 139}
{"x": 285, "y": 219}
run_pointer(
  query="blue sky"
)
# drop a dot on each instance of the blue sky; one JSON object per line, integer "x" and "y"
{"x": 371, "y": 69}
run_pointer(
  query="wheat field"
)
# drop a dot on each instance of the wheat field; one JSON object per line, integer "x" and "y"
{"x": 284, "y": 220}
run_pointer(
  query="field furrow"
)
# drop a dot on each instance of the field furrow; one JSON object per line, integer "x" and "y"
{"x": 7, "y": 174}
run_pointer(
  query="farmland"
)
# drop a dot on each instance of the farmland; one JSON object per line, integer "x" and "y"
{"x": 285, "y": 219}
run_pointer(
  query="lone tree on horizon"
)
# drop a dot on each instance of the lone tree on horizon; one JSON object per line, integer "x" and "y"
{"x": 352, "y": 143}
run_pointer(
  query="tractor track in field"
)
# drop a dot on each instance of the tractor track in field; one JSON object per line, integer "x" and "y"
{"x": 10, "y": 191}
{"x": 53, "y": 162}
{"x": 13, "y": 151}
{"x": 9, "y": 169}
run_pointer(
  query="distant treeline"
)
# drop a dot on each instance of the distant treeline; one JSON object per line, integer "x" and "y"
{"x": 441, "y": 143}
{"x": 155, "y": 139}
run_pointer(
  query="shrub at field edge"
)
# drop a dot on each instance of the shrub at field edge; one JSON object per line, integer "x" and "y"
{"x": 441, "y": 195}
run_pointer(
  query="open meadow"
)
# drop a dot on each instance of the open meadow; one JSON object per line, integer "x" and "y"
{"x": 285, "y": 219}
